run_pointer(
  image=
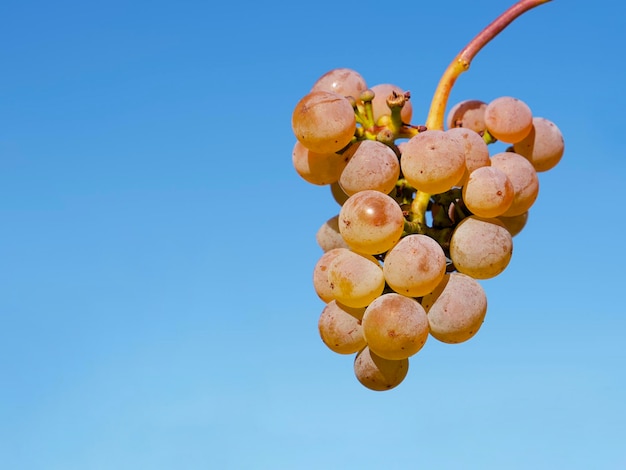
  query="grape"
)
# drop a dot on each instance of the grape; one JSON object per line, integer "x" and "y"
{"x": 338, "y": 194}
{"x": 508, "y": 119}
{"x": 371, "y": 165}
{"x": 468, "y": 114}
{"x": 481, "y": 248}
{"x": 379, "y": 103}
{"x": 379, "y": 374}
{"x": 324, "y": 122}
{"x": 415, "y": 265}
{"x": 523, "y": 177}
{"x": 476, "y": 151}
{"x": 433, "y": 161}
{"x": 544, "y": 146}
{"x": 317, "y": 168}
{"x": 355, "y": 280}
{"x": 320, "y": 274}
{"x": 394, "y": 326}
{"x": 425, "y": 213}
{"x": 488, "y": 192}
{"x": 456, "y": 308}
{"x": 371, "y": 222}
{"x": 340, "y": 328}
{"x": 328, "y": 236}
{"x": 343, "y": 81}
{"x": 514, "y": 224}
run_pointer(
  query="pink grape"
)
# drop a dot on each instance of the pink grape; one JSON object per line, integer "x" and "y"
{"x": 467, "y": 114}
{"x": 481, "y": 248}
{"x": 433, "y": 161}
{"x": 456, "y": 308}
{"x": 371, "y": 222}
{"x": 544, "y": 146}
{"x": 370, "y": 165}
{"x": 379, "y": 374}
{"x": 324, "y": 122}
{"x": 524, "y": 178}
{"x": 508, "y": 119}
{"x": 343, "y": 81}
{"x": 340, "y": 328}
{"x": 394, "y": 326}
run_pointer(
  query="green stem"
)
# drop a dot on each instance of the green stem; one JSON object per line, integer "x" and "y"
{"x": 419, "y": 206}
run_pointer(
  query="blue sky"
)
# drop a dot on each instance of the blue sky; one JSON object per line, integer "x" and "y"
{"x": 157, "y": 247}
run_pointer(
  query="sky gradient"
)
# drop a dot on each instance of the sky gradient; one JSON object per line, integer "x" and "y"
{"x": 157, "y": 247}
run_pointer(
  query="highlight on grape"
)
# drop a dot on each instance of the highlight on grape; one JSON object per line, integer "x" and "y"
{"x": 426, "y": 211}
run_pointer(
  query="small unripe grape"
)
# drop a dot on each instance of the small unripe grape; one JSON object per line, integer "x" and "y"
{"x": 508, "y": 119}
{"x": 340, "y": 328}
{"x": 379, "y": 103}
{"x": 544, "y": 146}
{"x": 488, "y": 192}
{"x": 343, "y": 81}
{"x": 468, "y": 114}
{"x": 324, "y": 122}
{"x": 415, "y": 265}
{"x": 370, "y": 165}
{"x": 379, "y": 374}
{"x": 481, "y": 248}
{"x": 395, "y": 326}
{"x": 433, "y": 161}
{"x": 456, "y": 308}
{"x": 317, "y": 168}
{"x": 371, "y": 222}
{"x": 355, "y": 280}
{"x": 523, "y": 177}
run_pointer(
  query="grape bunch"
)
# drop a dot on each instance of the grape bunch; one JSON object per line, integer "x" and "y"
{"x": 426, "y": 213}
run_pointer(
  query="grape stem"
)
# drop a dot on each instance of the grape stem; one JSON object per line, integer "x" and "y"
{"x": 462, "y": 61}
{"x": 460, "y": 64}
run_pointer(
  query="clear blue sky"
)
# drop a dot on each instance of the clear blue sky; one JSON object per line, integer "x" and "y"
{"x": 157, "y": 247}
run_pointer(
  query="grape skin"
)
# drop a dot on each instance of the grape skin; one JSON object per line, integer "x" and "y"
{"x": 488, "y": 192}
{"x": 371, "y": 222}
{"x": 340, "y": 328}
{"x": 323, "y": 121}
{"x": 343, "y": 81}
{"x": 394, "y": 326}
{"x": 467, "y": 114}
{"x": 355, "y": 279}
{"x": 508, "y": 119}
{"x": 481, "y": 248}
{"x": 476, "y": 151}
{"x": 514, "y": 224}
{"x": 317, "y": 168}
{"x": 415, "y": 265}
{"x": 338, "y": 194}
{"x": 456, "y": 308}
{"x": 433, "y": 161}
{"x": 328, "y": 236}
{"x": 523, "y": 178}
{"x": 544, "y": 146}
{"x": 370, "y": 165}
{"x": 379, "y": 374}
{"x": 320, "y": 274}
